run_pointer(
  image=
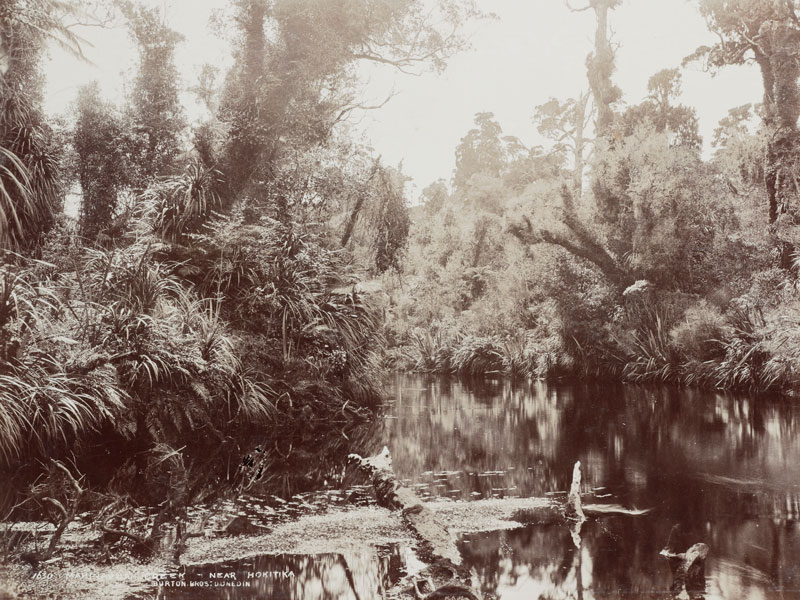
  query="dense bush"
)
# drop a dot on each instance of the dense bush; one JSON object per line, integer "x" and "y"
{"x": 662, "y": 272}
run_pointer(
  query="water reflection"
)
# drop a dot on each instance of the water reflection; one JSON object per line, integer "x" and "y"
{"x": 358, "y": 574}
{"x": 727, "y": 469}
{"x": 676, "y": 448}
{"x": 309, "y": 458}
{"x": 619, "y": 558}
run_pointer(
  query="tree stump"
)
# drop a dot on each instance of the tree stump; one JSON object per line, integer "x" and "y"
{"x": 573, "y": 511}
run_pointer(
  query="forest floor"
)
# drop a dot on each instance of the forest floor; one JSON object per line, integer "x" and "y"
{"x": 81, "y": 570}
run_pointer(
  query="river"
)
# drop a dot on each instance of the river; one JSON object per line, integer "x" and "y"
{"x": 725, "y": 468}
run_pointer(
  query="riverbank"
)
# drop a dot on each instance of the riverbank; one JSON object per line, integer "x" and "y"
{"x": 734, "y": 359}
{"x": 76, "y": 573}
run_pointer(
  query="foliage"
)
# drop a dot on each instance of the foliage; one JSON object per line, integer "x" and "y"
{"x": 155, "y": 109}
{"x": 477, "y": 356}
{"x": 101, "y": 147}
{"x": 29, "y": 161}
{"x": 679, "y": 121}
{"x": 431, "y": 351}
{"x": 45, "y": 406}
{"x": 566, "y": 123}
{"x": 179, "y": 205}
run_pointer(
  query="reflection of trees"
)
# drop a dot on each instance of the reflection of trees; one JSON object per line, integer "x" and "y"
{"x": 717, "y": 464}
{"x": 457, "y": 431}
{"x": 691, "y": 453}
{"x": 356, "y": 575}
{"x": 619, "y": 558}
{"x": 303, "y": 458}
{"x": 501, "y": 557}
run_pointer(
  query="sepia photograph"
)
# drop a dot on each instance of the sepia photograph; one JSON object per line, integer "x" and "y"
{"x": 399, "y": 299}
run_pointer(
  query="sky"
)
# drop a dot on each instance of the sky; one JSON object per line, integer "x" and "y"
{"x": 532, "y": 51}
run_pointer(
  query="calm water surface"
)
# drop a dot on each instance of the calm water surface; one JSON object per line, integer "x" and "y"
{"x": 727, "y": 469}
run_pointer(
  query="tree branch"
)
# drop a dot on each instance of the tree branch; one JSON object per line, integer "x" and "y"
{"x": 584, "y": 246}
{"x": 348, "y": 109}
{"x": 792, "y": 13}
{"x": 104, "y": 527}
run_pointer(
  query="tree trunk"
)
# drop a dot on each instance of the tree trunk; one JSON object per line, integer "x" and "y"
{"x": 600, "y": 66}
{"x": 351, "y": 221}
{"x": 580, "y": 142}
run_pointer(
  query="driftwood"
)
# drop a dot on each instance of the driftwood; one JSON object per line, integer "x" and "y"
{"x": 143, "y": 544}
{"x": 437, "y": 547}
{"x": 688, "y": 567}
{"x": 149, "y": 544}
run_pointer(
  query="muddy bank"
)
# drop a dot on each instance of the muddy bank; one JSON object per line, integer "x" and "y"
{"x": 75, "y": 571}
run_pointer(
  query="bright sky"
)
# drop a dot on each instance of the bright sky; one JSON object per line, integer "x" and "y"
{"x": 534, "y": 50}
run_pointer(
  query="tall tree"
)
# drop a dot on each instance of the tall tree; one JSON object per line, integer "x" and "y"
{"x": 600, "y": 67}
{"x": 156, "y": 110}
{"x": 101, "y": 144}
{"x": 679, "y": 122}
{"x": 480, "y": 151}
{"x": 287, "y": 90}
{"x": 766, "y": 33}
{"x": 434, "y": 197}
{"x": 392, "y": 222}
{"x": 573, "y": 231}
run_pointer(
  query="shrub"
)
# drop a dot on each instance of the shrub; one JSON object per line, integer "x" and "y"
{"x": 699, "y": 334}
{"x": 478, "y": 356}
{"x": 432, "y": 350}
{"x": 642, "y": 335}
{"x": 517, "y": 361}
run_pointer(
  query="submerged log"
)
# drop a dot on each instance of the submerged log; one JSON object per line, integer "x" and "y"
{"x": 688, "y": 567}
{"x": 437, "y": 546}
{"x": 436, "y": 540}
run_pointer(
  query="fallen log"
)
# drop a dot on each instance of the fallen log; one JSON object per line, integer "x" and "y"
{"x": 437, "y": 546}
{"x": 435, "y": 539}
